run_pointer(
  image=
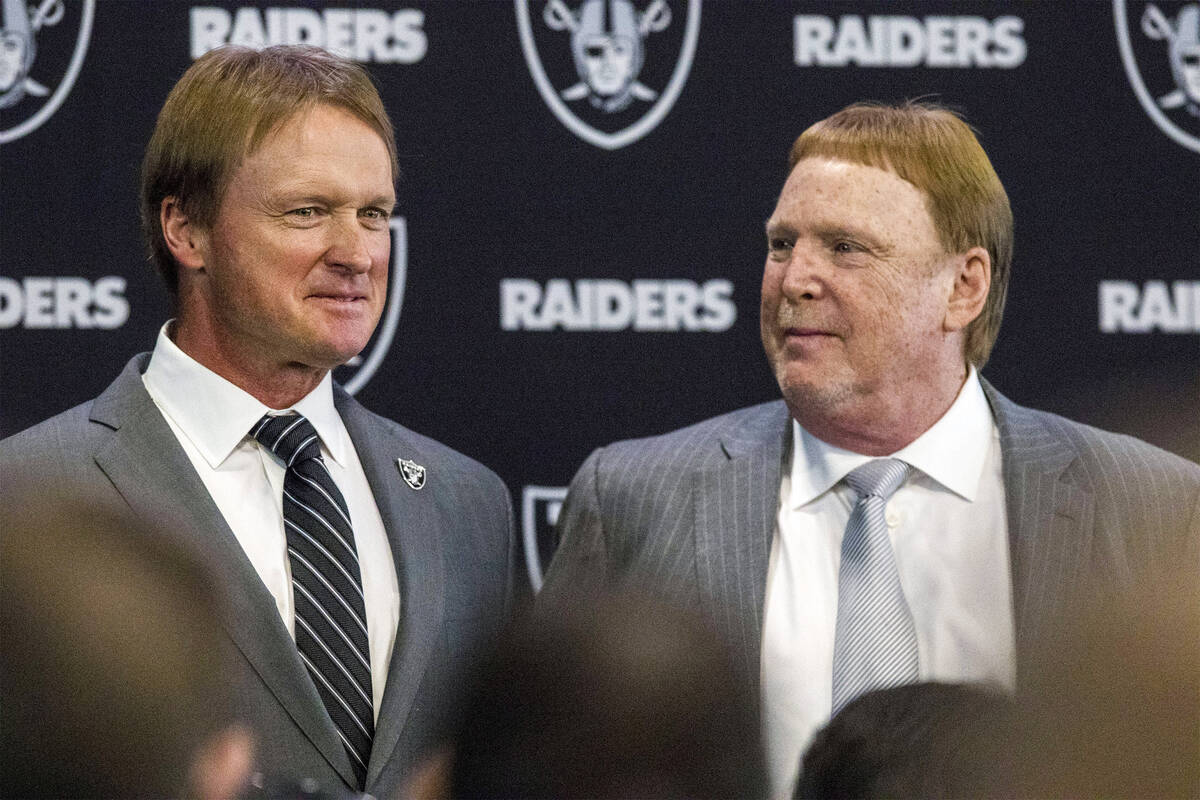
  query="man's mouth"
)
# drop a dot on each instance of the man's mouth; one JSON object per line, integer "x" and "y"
{"x": 805, "y": 332}
{"x": 339, "y": 297}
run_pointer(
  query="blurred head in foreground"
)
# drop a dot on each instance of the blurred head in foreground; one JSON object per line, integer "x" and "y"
{"x": 923, "y": 740}
{"x": 112, "y": 670}
{"x": 1110, "y": 707}
{"x": 616, "y": 696}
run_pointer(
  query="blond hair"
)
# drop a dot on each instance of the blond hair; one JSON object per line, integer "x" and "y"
{"x": 932, "y": 148}
{"x": 222, "y": 109}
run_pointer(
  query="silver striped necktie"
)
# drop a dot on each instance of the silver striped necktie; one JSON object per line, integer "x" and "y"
{"x": 331, "y": 621}
{"x": 875, "y": 644}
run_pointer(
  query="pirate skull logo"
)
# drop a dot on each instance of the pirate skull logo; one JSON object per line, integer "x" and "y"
{"x": 1166, "y": 80}
{"x": 18, "y": 47}
{"x": 607, "y": 46}
{"x": 620, "y": 67}
{"x": 29, "y": 101}
{"x": 1183, "y": 49}
{"x": 412, "y": 472}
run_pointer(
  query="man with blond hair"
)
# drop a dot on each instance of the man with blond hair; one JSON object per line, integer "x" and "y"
{"x": 365, "y": 565}
{"x": 894, "y": 518}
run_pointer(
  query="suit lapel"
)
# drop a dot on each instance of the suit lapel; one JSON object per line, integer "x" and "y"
{"x": 150, "y": 470}
{"x": 1049, "y": 520}
{"x": 411, "y": 520}
{"x": 735, "y": 504}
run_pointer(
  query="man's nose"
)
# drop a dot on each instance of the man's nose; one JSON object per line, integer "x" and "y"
{"x": 348, "y": 246}
{"x": 802, "y": 274}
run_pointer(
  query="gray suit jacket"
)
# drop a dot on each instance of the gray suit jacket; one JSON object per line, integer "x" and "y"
{"x": 692, "y": 513}
{"x": 452, "y": 542}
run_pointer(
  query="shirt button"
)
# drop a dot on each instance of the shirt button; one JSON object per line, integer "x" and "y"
{"x": 893, "y": 518}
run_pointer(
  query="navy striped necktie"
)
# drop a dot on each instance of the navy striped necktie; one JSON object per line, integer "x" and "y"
{"x": 331, "y": 622}
{"x": 875, "y": 644}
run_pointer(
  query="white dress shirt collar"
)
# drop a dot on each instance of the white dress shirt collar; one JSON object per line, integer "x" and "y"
{"x": 216, "y": 415}
{"x": 952, "y": 452}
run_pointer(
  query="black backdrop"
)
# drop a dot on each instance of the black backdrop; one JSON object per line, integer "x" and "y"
{"x": 515, "y": 227}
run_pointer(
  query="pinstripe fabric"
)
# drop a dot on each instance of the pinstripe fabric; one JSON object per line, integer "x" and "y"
{"x": 691, "y": 514}
{"x": 875, "y": 645}
{"x": 331, "y": 620}
{"x": 1088, "y": 511}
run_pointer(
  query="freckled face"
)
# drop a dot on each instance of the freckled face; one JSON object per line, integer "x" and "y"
{"x": 854, "y": 290}
{"x": 297, "y": 258}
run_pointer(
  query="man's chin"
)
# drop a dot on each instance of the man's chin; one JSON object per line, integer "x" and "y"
{"x": 336, "y": 345}
{"x": 328, "y": 356}
{"x": 808, "y": 397}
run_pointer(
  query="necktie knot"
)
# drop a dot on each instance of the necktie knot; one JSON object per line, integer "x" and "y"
{"x": 289, "y": 436}
{"x": 878, "y": 478}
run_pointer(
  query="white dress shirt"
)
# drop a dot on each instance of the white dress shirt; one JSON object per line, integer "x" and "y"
{"x": 949, "y": 532}
{"x": 212, "y": 418}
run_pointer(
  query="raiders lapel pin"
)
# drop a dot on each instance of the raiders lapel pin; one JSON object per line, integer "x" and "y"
{"x": 412, "y": 472}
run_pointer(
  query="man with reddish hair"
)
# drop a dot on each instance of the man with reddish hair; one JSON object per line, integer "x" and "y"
{"x": 893, "y": 518}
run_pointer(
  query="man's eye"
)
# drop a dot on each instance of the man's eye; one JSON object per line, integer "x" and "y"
{"x": 844, "y": 247}
{"x": 303, "y": 213}
{"x": 778, "y": 245}
{"x": 373, "y": 213}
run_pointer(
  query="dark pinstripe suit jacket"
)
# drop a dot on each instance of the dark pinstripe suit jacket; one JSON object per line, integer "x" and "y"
{"x": 452, "y": 543}
{"x": 693, "y": 513}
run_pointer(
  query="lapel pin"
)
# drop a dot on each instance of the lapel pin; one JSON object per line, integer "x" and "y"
{"x": 412, "y": 472}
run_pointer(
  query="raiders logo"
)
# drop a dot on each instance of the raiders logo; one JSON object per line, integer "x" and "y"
{"x": 354, "y": 374}
{"x": 539, "y": 513}
{"x": 610, "y": 70}
{"x": 412, "y": 472}
{"x": 1160, "y": 47}
{"x": 42, "y": 47}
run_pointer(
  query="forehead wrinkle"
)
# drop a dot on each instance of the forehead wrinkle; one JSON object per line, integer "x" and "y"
{"x": 267, "y": 180}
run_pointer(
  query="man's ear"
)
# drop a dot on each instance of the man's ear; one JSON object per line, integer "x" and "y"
{"x": 186, "y": 240}
{"x": 972, "y": 280}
